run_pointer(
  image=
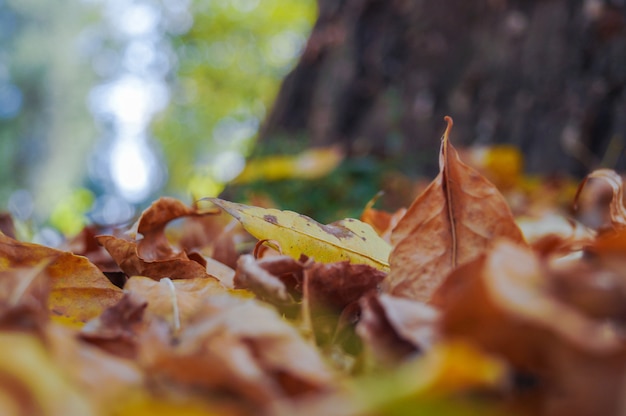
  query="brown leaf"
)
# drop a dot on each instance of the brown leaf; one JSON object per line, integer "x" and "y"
{"x": 7, "y": 227}
{"x": 509, "y": 303}
{"x": 151, "y": 225}
{"x": 102, "y": 377}
{"x": 241, "y": 346}
{"x": 173, "y": 300}
{"x": 153, "y": 255}
{"x": 24, "y": 294}
{"x": 616, "y": 207}
{"x": 126, "y": 256}
{"x": 276, "y": 279}
{"x": 330, "y": 289}
{"x": 449, "y": 224}
{"x": 393, "y": 328}
{"x": 79, "y": 290}
{"x": 116, "y": 329}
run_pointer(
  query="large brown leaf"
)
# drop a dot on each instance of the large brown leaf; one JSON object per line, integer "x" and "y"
{"x": 559, "y": 329}
{"x": 450, "y": 223}
{"x": 79, "y": 290}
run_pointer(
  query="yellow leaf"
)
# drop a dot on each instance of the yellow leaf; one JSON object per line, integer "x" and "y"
{"x": 310, "y": 164}
{"x": 32, "y": 383}
{"x": 79, "y": 290}
{"x": 298, "y": 234}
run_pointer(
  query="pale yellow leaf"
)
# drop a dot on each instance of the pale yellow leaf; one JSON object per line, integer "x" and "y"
{"x": 297, "y": 234}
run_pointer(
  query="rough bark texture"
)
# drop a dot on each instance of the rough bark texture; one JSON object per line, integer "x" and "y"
{"x": 378, "y": 76}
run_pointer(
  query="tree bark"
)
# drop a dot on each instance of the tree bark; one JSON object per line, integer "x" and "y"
{"x": 378, "y": 76}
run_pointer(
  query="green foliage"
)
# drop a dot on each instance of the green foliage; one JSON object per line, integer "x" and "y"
{"x": 230, "y": 65}
{"x": 342, "y": 194}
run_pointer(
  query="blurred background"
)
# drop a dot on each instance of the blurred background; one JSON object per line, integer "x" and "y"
{"x": 105, "y": 104}
{"x": 307, "y": 105}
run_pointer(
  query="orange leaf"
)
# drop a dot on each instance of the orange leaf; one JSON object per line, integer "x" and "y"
{"x": 555, "y": 328}
{"x": 450, "y": 223}
{"x": 382, "y": 222}
{"x": 126, "y": 256}
{"x": 79, "y": 290}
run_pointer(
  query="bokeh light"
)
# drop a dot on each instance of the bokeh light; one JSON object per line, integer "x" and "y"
{"x": 176, "y": 89}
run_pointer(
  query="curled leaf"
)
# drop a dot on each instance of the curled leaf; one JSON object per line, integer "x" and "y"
{"x": 450, "y": 223}
{"x": 510, "y": 303}
{"x": 616, "y": 208}
{"x": 126, "y": 256}
{"x": 349, "y": 239}
{"x": 393, "y": 328}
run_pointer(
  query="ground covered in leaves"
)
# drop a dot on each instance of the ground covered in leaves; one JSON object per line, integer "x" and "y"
{"x": 444, "y": 308}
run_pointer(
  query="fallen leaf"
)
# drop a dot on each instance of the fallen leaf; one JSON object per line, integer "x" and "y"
{"x": 277, "y": 280}
{"x": 174, "y": 300}
{"x": 116, "y": 329}
{"x": 382, "y": 222}
{"x": 33, "y": 383}
{"x": 450, "y": 223}
{"x": 103, "y": 378}
{"x": 125, "y": 255}
{"x": 508, "y": 302}
{"x": 241, "y": 346}
{"x": 329, "y": 290}
{"x": 393, "y": 329}
{"x": 349, "y": 239}
{"x": 152, "y": 255}
{"x": 433, "y": 383}
{"x": 79, "y": 290}
{"x": 7, "y": 226}
{"x": 151, "y": 225}
{"x": 616, "y": 207}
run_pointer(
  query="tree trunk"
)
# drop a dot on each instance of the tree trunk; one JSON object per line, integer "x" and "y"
{"x": 378, "y": 76}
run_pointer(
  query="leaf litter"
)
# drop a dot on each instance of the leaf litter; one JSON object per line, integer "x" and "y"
{"x": 442, "y": 308}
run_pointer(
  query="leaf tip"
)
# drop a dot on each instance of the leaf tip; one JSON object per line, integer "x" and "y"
{"x": 450, "y": 123}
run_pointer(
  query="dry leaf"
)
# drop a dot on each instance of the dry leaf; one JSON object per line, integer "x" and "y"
{"x": 432, "y": 384}
{"x": 298, "y": 235}
{"x": 153, "y": 255}
{"x": 79, "y": 290}
{"x": 393, "y": 329}
{"x": 382, "y": 222}
{"x": 331, "y": 294}
{"x": 310, "y": 164}
{"x": 33, "y": 383}
{"x": 174, "y": 300}
{"x": 116, "y": 329}
{"x": 277, "y": 280}
{"x": 507, "y": 301}
{"x": 616, "y": 208}
{"x": 125, "y": 255}
{"x": 243, "y": 347}
{"x": 151, "y": 225}
{"x": 24, "y": 294}
{"x": 449, "y": 224}
{"x": 103, "y": 378}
